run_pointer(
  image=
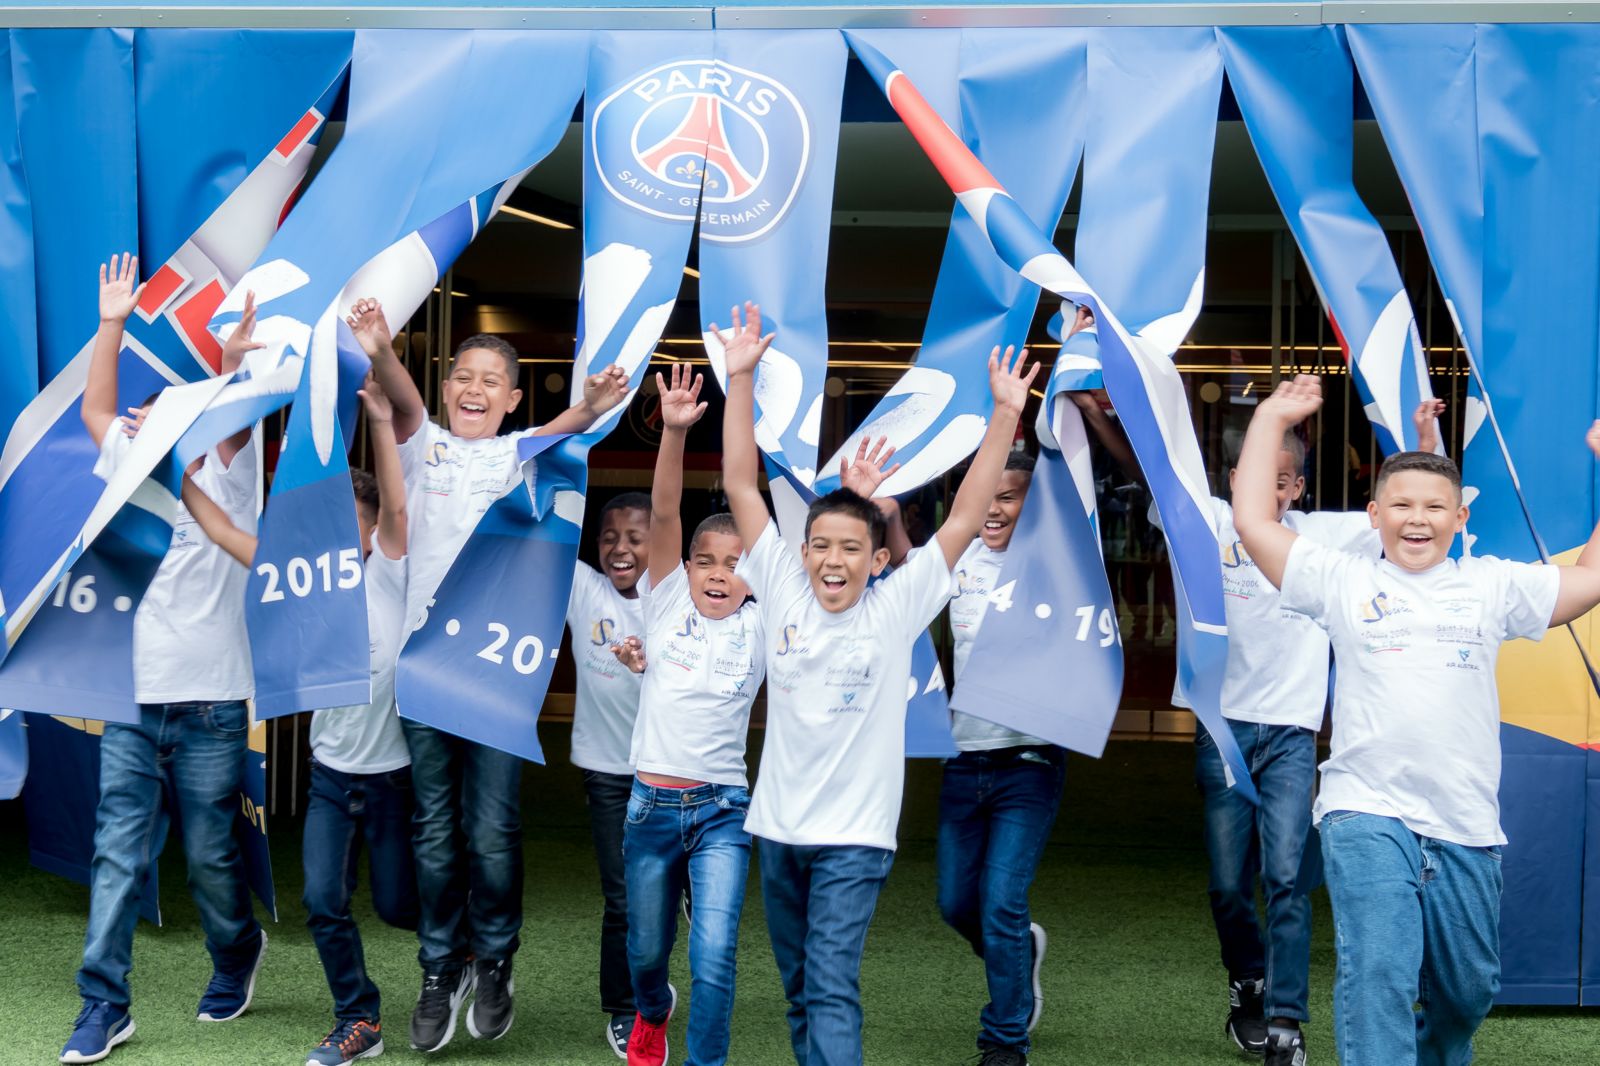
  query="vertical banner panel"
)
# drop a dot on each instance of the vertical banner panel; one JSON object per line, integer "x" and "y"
{"x": 1008, "y": 85}
{"x": 766, "y": 210}
{"x": 19, "y": 339}
{"x": 1496, "y": 133}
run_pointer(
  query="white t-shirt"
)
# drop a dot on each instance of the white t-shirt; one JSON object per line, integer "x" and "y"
{"x": 1416, "y": 715}
{"x": 703, "y": 673}
{"x": 189, "y": 637}
{"x": 833, "y": 768}
{"x": 975, "y": 576}
{"x": 366, "y": 738}
{"x": 1277, "y": 672}
{"x": 608, "y": 692}
{"x": 450, "y": 483}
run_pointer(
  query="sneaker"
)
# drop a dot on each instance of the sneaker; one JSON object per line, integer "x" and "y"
{"x": 1286, "y": 1047}
{"x": 433, "y": 1020}
{"x": 1002, "y": 1056}
{"x": 1247, "y": 1024}
{"x": 348, "y": 1042}
{"x": 99, "y": 1028}
{"x": 618, "y": 1029}
{"x": 228, "y": 994}
{"x": 647, "y": 1045}
{"x": 490, "y": 1015}
{"x": 1039, "y": 942}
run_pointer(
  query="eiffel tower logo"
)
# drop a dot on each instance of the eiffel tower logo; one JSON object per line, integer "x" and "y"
{"x": 701, "y": 125}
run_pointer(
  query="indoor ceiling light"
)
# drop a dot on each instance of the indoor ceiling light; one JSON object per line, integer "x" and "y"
{"x": 531, "y": 217}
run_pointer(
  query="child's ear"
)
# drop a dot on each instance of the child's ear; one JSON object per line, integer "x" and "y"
{"x": 515, "y": 399}
{"x": 880, "y": 559}
{"x": 1299, "y": 489}
{"x": 1461, "y": 517}
{"x": 1372, "y": 513}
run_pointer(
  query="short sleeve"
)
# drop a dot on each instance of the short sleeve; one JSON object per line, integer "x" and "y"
{"x": 1313, "y": 577}
{"x": 386, "y": 579}
{"x": 1528, "y": 597}
{"x": 414, "y": 450}
{"x": 916, "y": 592}
{"x": 113, "y": 450}
{"x": 769, "y": 564}
{"x": 1345, "y": 531}
{"x": 667, "y": 599}
{"x": 582, "y": 596}
{"x": 233, "y": 486}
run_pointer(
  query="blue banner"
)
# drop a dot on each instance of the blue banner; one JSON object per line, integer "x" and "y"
{"x": 1295, "y": 87}
{"x": 19, "y": 370}
{"x": 13, "y": 754}
{"x": 998, "y": 88}
{"x": 1145, "y": 387}
{"x": 480, "y": 661}
{"x": 765, "y": 214}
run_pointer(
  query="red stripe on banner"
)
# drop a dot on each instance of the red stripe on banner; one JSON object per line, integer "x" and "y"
{"x": 158, "y": 290}
{"x": 288, "y": 203}
{"x": 193, "y": 315}
{"x": 1338, "y": 335}
{"x": 954, "y": 160}
{"x": 297, "y": 136}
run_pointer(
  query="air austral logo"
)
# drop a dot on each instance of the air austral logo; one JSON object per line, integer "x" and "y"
{"x": 702, "y": 137}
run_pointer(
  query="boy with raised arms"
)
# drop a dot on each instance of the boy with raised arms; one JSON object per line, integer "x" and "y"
{"x": 605, "y": 607}
{"x": 191, "y": 678}
{"x": 468, "y": 827}
{"x": 827, "y": 800}
{"x": 685, "y": 818}
{"x": 1409, "y": 809}
{"x": 360, "y": 766}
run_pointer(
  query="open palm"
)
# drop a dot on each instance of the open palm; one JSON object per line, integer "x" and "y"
{"x": 681, "y": 406}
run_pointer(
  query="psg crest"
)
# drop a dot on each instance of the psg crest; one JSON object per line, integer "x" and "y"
{"x": 701, "y": 137}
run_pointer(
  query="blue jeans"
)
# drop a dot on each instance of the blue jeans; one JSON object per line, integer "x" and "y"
{"x": 694, "y": 834}
{"x": 996, "y": 810}
{"x": 182, "y": 757}
{"x": 819, "y": 902}
{"x": 467, "y": 832}
{"x": 344, "y": 810}
{"x": 1417, "y": 926}
{"x": 1243, "y": 841}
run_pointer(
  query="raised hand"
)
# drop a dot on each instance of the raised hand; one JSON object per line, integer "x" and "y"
{"x": 133, "y": 421}
{"x": 375, "y": 400}
{"x": 1293, "y": 401}
{"x": 366, "y": 320}
{"x": 603, "y": 391}
{"x": 1426, "y": 419}
{"x": 630, "y": 653}
{"x": 1007, "y": 381}
{"x": 119, "y": 291}
{"x": 1592, "y": 438}
{"x": 241, "y": 339}
{"x": 681, "y": 406}
{"x": 1081, "y": 321}
{"x": 866, "y": 472}
{"x": 743, "y": 347}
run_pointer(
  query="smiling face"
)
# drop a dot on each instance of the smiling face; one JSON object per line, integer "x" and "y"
{"x": 1001, "y": 521}
{"x": 716, "y": 590}
{"x": 625, "y": 547}
{"x": 839, "y": 558}
{"x": 1417, "y": 515}
{"x": 480, "y": 390}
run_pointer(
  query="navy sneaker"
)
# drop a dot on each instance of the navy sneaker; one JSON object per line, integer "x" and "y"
{"x": 348, "y": 1042}
{"x": 1247, "y": 1022}
{"x": 618, "y": 1030}
{"x": 99, "y": 1028}
{"x": 1285, "y": 1047}
{"x": 489, "y": 1017}
{"x": 433, "y": 1020}
{"x": 228, "y": 994}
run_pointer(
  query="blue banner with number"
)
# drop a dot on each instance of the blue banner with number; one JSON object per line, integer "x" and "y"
{"x": 765, "y": 214}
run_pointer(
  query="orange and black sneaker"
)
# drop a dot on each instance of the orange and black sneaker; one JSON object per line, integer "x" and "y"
{"x": 348, "y": 1042}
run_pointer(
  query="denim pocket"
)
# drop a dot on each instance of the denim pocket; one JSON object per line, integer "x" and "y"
{"x": 1338, "y": 817}
{"x": 638, "y": 809}
{"x": 229, "y": 720}
{"x": 1493, "y": 851}
{"x": 734, "y": 799}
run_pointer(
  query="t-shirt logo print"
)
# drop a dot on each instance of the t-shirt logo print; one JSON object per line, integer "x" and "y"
{"x": 603, "y": 633}
{"x": 648, "y": 135}
{"x": 790, "y": 642}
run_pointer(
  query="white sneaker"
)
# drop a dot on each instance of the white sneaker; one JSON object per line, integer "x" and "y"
{"x": 1039, "y": 943}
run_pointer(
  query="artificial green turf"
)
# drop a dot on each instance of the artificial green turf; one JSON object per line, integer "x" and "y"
{"x": 1132, "y": 975}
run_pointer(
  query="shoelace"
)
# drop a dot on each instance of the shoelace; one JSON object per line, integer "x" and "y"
{"x": 352, "y": 1040}
{"x": 436, "y": 989}
{"x": 89, "y": 1008}
{"x": 652, "y": 1038}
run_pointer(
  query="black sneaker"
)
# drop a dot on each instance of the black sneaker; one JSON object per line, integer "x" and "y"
{"x": 618, "y": 1030}
{"x": 433, "y": 1020}
{"x": 1002, "y": 1056}
{"x": 1247, "y": 1022}
{"x": 1286, "y": 1048}
{"x": 490, "y": 1015}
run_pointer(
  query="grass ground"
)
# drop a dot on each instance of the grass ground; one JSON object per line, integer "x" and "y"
{"x": 1132, "y": 976}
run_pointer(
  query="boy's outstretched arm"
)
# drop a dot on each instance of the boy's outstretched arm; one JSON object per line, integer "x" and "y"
{"x": 392, "y": 528}
{"x": 240, "y": 342}
{"x": 742, "y": 349}
{"x": 1426, "y": 419}
{"x": 119, "y": 295}
{"x": 1010, "y": 387}
{"x": 1580, "y": 583}
{"x": 1255, "y": 503}
{"x": 681, "y": 407}
{"x": 601, "y": 392}
{"x": 371, "y": 328}
{"x": 216, "y": 524}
